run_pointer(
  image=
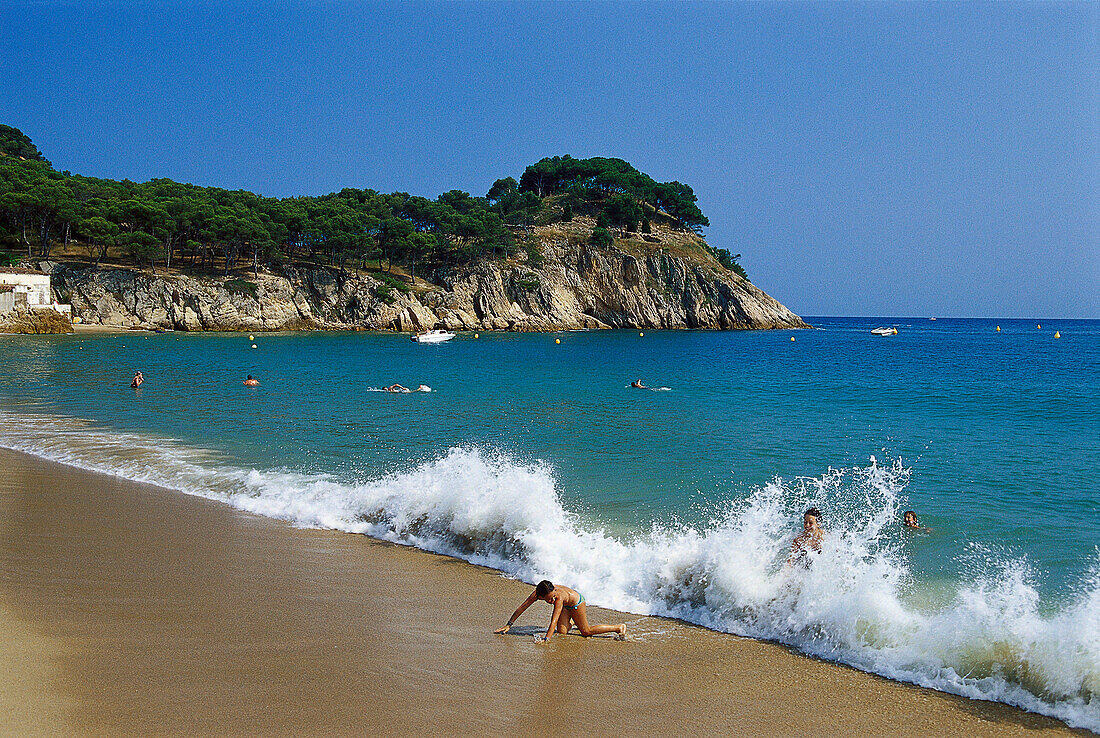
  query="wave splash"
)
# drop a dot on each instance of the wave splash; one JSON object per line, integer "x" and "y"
{"x": 850, "y": 605}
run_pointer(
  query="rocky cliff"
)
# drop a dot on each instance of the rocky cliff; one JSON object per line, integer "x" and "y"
{"x": 557, "y": 281}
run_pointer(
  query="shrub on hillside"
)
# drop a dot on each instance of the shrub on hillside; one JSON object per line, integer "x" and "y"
{"x": 601, "y": 237}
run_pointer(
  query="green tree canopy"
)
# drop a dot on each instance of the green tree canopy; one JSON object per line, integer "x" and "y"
{"x": 598, "y": 179}
{"x": 14, "y": 142}
{"x": 168, "y": 222}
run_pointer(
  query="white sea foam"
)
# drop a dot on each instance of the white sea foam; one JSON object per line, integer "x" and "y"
{"x": 850, "y": 605}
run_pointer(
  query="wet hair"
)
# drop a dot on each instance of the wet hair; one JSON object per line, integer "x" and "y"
{"x": 815, "y": 512}
{"x": 908, "y": 513}
{"x": 250, "y": 376}
{"x": 544, "y": 588}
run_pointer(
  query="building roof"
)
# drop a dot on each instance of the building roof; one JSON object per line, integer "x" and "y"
{"x": 7, "y": 288}
{"x": 18, "y": 270}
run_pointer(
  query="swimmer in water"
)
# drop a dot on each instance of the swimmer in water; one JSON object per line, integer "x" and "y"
{"x": 396, "y": 388}
{"x": 809, "y": 539}
{"x": 568, "y": 605}
{"x": 423, "y": 388}
{"x": 250, "y": 382}
{"x": 138, "y": 379}
{"x": 910, "y": 519}
{"x": 637, "y": 384}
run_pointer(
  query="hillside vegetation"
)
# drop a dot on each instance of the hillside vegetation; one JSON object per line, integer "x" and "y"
{"x": 163, "y": 223}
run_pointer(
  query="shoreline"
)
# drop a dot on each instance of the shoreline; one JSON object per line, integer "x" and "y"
{"x": 92, "y": 328}
{"x": 129, "y": 608}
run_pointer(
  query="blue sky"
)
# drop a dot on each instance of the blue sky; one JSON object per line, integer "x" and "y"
{"x": 866, "y": 158}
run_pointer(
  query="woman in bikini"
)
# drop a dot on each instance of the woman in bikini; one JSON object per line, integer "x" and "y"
{"x": 568, "y": 605}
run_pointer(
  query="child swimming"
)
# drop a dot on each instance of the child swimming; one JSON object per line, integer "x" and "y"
{"x": 568, "y": 605}
{"x": 808, "y": 540}
{"x": 910, "y": 522}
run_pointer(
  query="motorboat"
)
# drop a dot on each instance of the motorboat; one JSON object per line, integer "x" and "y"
{"x": 885, "y": 331}
{"x": 433, "y": 336}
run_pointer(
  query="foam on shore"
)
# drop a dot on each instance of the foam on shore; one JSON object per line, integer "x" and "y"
{"x": 992, "y": 641}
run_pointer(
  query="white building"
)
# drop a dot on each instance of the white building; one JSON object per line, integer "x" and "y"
{"x": 7, "y": 298}
{"x": 27, "y": 288}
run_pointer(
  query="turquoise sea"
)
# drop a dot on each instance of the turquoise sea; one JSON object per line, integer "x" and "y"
{"x": 539, "y": 459}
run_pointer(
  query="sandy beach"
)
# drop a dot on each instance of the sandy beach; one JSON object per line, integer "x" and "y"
{"x": 129, "y": 609}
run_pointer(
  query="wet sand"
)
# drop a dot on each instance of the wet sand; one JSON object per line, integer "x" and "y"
{"x": 128, "y": 609}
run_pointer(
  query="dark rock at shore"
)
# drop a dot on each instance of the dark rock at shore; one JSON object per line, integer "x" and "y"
{"x": 40, "y": 320}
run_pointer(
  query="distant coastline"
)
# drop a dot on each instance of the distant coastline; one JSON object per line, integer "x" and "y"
{"x": 573, "y": 244}
{"x": 561, "y": 282}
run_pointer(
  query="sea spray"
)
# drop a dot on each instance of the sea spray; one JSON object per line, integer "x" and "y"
{"x": 852, "y": 603}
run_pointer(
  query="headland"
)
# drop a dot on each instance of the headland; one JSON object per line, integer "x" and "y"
{"x": 573, "y": 244}
{"x": 667, "y": 280}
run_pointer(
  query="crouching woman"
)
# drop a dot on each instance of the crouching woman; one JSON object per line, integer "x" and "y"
{"x": 569, "y": 610}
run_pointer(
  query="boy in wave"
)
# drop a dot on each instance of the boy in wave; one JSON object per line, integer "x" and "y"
{"x": 810, "y": 538}
{"x": 568, "y": 605}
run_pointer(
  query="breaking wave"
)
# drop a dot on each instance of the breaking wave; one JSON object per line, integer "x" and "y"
{"x": 853, "y": 604}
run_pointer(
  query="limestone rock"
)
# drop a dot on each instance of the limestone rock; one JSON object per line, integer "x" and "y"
{"x": 666, "y": 281}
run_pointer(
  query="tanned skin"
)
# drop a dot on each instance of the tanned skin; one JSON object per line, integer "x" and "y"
{"x": 810, "y": 538}
{"x": 560, "y": 598}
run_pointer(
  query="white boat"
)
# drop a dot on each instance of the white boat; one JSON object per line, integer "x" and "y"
{"x": 433, "y": 336}
{"x": 885, "y": 331}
